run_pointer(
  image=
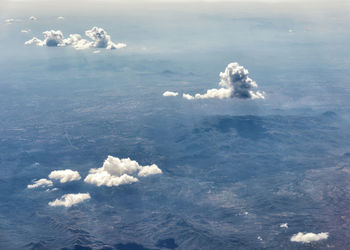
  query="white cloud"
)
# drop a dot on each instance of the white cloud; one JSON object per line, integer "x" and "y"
{"x": 308, "y": 237}
{"x": 55, "y": 38}
{"x": 234, "y": 83}
{"x": 102, "y": 40}
{"x": 65, "y": 175}
{"x": 52, "y": 38}
{"x": 60, "y": 18}
{"x": 170, "y": 93}
{"x": 69, "y": 200}
{"x": 25, "y": 31}
{"x": 105, "y": 178}
{"x": 42, "y": 182}
{"x": 32, "y": 18}
{"x": 11, "y": 20}
{"x": 115, "y": 172}
{"x": 187, "y": 96}
{"x": 284, "y": 225}
{"x": 149, "y": 170}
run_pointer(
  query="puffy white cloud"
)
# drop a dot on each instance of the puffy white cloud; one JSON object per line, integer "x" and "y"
{"x": 115, "y": 172}
{"x": 235, "y": 83}
{"x": 55, "y": 38}
{"x": 284, "y": 225}
{"x": 308, "y": 237}
{"x": 187, "y": 96}
{"x": 32, "y": 18}
{"x": 69, "y": 200}
{"x": 105, "y": 178}
{"x": 170, "y": 93}
{"x": 42, "y": 182}
{"x": 65, "y": 175}
{"x": 101, "y": 39}
{"x": 60, "y": 18}
{"x": 52, "y": 38}
{"x": 77, "y": 42}
{"x": 149, "y": 170}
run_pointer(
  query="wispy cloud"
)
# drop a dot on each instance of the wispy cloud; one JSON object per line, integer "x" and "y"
{"x": 41, "y": 183}
{"x": 170, "y": 93}
{"x": 69, "y": 200}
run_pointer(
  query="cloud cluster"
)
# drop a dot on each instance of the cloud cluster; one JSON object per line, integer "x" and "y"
{"x": 65, "y": 175}
{"x": 42, "y": 182}
{"x": 55, "y": 38}
{"x": 115, "y": 172}
{"x": 170, "y": 93}
{"x": 69, "y": 200}
{"x": 235, "y": 83}
{"x": 308, "y": 237}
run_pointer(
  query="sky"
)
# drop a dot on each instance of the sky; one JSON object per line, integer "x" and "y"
{"x": 139, "y": 125}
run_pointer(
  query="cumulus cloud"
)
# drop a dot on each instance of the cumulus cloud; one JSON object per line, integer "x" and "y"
{"x": 308, "y": 237}
{"x": 101, "y": 39}
{"x": 284, "y": 225}
{"x": 66, "y": 175}
{"x": 42, "y": 182}
{"x": 235, "y": 83}
{"x": 69, "y": 200}
{"x": 55, "y": 38}
{"x": 170, "y": 93}
{"x": 187, "y": 96}
{"x": 32, "y": 18}
{"x": 115, "y": 172}
{"x": 52, "y": 38}
{"x": 149, "y": 170}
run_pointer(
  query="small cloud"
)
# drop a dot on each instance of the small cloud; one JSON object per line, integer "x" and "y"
{"x": 51, "y": 190}
{"x": 234, "y": 83}
{"x": 11, "y": 20}
{"x": 96, "y": 51}
{"x": 308, "y": 237}
{"x": 187, "y": 96}
{"x": 52, "y": 38}
{"x": 36, "y": 164}
{"x": 284, "y": 225}
{"x": 55, "y": 38}
{"x": 32, "y": 18}
{"x": 101, "y": 39}
{"x": 170, "y": 93}
{"x": 25, "y": 31}
{"x": 259, "y": 238}
{"x": 115, "y": 172}
{"x": 66, "y": 175}
{"x": 60, "y": 18}
{"x": 69, "y": 200}
{"x": 149, "y": 170}
{"x": 42, "y": 182}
